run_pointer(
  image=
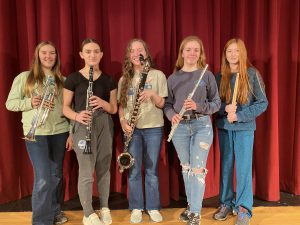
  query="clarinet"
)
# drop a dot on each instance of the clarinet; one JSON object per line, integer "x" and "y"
{"x": 182, "y": 111}
{"x": 89, "y": 108}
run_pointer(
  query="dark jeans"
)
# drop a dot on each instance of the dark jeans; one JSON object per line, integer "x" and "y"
{"x": 145, "y": 148}
{"x": 47, "y": 156}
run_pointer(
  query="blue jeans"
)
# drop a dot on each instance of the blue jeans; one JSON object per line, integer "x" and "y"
{"x": 236, "y": 146}
{"x": 145, "y": 148}
{"x": 192, "y": 140}
{"x": 47, "y": 156}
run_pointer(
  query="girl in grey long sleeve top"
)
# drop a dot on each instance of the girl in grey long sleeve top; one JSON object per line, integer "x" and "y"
{"x": 181, "y": 83}
{"x": 194, "y": 134}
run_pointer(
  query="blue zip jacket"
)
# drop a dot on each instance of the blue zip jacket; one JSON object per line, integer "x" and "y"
{"x": 246, "y": 113}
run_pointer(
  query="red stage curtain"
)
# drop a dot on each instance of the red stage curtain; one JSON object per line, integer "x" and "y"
{"x": 270, "y": 30}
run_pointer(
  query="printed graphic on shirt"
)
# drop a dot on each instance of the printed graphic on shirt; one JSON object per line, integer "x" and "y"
{"x": 131, "y": 94}
{"x": 131, "y": 91}
{"x": 148, "y": 86}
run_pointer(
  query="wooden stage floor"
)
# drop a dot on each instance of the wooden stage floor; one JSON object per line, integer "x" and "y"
{"x": 283, "y": 215}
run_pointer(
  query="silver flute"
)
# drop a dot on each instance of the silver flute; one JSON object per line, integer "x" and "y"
{"x": 183, "y": 110}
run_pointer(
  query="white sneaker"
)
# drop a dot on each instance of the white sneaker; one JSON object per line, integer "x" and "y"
{"x": 92, "y": 219}
{"x": 105, "y": 216}
{"x": 136, "y": 216}
{"x": 155, "y": 216}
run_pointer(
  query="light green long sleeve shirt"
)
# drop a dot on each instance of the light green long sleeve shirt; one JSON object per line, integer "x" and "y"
{"x": 56, "y": 123}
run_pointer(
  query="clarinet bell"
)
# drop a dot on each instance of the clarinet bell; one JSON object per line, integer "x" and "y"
{"x": 87, "y": 150}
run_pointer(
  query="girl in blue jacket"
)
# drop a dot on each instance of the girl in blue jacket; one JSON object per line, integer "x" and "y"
{"x": 236, "y": 125}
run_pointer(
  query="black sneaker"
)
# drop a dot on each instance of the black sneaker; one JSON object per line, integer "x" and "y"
{"x": 194, "y": 219}
{"x": 184, "y": 216}
{"x": 60, "y": 218}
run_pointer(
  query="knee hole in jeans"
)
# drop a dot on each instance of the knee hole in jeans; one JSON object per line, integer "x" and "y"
{"x": 204, "y": 145}
{"x": 200, "y": 173}
{"x": 185, "y": 168}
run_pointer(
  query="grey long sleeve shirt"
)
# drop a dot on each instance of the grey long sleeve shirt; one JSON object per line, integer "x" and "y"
{"x": 181, "y": 83}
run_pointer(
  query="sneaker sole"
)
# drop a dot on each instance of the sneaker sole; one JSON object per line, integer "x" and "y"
{"x": 135, "y": 222}
{"x": 153, "y": 221}
{"x": 225, "y": 218}
{"x": 183, "y": 220}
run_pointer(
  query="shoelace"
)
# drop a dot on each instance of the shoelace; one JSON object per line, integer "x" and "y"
{"x": 223, "y": 208}
{"x": 105, "y": 210}
{"x": 186, "y": 211}
{"x": 241, "y": 215}
{"x": 195, "y": 219}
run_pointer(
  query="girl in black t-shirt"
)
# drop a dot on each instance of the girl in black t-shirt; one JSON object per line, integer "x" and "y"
{"x": 104, "y": 103}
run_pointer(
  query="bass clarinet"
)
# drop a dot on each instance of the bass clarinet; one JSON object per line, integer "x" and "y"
{"x": 89, "y": 108}
{"x": 183, "y": 110}
{"x": 125, "y": 159}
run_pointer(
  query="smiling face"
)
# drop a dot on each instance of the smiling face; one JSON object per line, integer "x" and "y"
{"x": 91, "y": 54}
{"x": 136, "y": 49}
{"x": 191, "y": 53}
{"x": 233, "y": 54}
{"x": 47, "y": 56}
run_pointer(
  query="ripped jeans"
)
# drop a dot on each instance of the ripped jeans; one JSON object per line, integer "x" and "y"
{"x": 192, "y": 140}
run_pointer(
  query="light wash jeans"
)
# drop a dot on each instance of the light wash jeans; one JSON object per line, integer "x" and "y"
{"x": 192, "y": 140}
{"x": 47, "y": 156}
{"x": 145, "y": 148}
{"x": 236, "y": 146}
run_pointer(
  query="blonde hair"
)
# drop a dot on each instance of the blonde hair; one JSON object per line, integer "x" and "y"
{"x": 128, "y": 70}
{"x": 36, "y": 73}
{"x": 243, "y": 65}
{"x": 202, "y": 59}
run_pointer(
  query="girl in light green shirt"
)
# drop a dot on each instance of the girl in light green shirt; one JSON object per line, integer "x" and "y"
{"x": 46, "y": 144}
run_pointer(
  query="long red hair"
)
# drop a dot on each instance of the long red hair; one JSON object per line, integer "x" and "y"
{"x": 243, "y": 65}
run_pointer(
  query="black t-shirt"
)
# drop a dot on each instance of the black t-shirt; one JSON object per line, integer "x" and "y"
{"x": 78, "y": 84}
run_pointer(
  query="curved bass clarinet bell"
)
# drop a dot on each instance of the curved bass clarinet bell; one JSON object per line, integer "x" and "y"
{"x": 125, "y": 161}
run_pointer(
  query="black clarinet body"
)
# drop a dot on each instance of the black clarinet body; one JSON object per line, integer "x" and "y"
{"x": 89, "y": 108}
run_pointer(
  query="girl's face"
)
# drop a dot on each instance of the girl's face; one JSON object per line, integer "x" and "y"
{"x": 91, "y": 54}
{"x": 47, "y": 56}
{"x": 232, "y": 54}
{"x": 191, "y": 53}
{"x": 136, "y": 49}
